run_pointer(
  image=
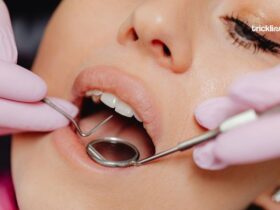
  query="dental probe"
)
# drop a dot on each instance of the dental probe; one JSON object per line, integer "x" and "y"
{"x": 73, "y": 121}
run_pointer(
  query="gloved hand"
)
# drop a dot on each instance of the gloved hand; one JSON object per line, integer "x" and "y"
{"x": 21, "y": 90}
{"x": 254, "y": 142}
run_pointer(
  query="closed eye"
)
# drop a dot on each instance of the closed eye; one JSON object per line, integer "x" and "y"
{"x": 243, "y": 35}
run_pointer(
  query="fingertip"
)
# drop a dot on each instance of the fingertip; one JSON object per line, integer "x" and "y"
{"x": 204, "y": 113}
{"x": 34, "y": 116}
{"x": 54, "y": 118}
{"x": 214, "y": 111}
{"x": 39, "y": 89}
{"x": 36, "y": 89}
{"x": 67, "y": 106}
{"x": 204, "y": 157}
{"x": 19, "y": 84}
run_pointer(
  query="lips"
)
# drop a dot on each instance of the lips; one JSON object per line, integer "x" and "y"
{"x": 129, "y": 90}
{"x": 126, "y": 87}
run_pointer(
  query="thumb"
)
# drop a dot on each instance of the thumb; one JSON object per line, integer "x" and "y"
{"x": 254, "y": 142}
{"x": 214, "y": 111}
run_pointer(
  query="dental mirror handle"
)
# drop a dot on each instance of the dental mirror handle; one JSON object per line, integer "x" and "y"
{"x": 182, "y": 146}
{"x": 230, "y": 123}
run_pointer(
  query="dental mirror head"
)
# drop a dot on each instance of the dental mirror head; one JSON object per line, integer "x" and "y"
{"x": 113, "y": 152}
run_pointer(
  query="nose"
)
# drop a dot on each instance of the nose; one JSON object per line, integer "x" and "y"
{"x": 161, "y": 32}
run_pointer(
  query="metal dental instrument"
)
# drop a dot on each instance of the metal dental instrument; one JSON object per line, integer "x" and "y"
{"x": 133, "y": 158}
{"x": 70, "y": 118}
{"x": 117, "y": 152}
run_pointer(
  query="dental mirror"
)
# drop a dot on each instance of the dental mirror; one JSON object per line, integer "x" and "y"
{"x": 113, "y": 152}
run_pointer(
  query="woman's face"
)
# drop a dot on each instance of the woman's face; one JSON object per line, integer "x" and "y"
{"x": 162, "y": 58}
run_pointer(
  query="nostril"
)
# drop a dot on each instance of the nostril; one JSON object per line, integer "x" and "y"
{"x": 166, "y": 51}
{"x": 164, "y": 47}
{"x": 132, "y": 34}
{"x": 135, "y": 36}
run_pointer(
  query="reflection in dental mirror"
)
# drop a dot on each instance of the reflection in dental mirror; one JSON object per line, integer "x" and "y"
{"x": 113, "y": 152}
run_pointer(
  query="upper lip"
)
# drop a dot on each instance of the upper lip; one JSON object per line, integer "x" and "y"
{"x": 126, "y": 87}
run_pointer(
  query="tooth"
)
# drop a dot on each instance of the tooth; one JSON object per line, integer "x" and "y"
{"x": 96, "y": 99}
{"x": 93, "y": 93}
{"x": 109, "y": 99}
{"x": 124, "y": 109}
{"x": 137, "y": 117}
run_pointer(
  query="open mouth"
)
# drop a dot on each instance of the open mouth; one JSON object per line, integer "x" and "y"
{"x": 126, "y": 123}
{"x": 131, "y": 120}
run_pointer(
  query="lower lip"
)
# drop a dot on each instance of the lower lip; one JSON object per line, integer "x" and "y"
{"x": 70, "y": 146}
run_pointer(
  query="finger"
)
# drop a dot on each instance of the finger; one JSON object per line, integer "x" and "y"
{"x": 255, "y": 142}
{"x": 34, "y": 116}
{"x": 214, "y": 111}
{"x": 8, "y": 50}
{"x": 259, "y": 91}
{"x": 19, "y": 84}
{"x": 204, "y": 158}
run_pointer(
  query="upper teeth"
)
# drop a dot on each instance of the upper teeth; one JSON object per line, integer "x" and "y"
{"x": 114, "y": 102}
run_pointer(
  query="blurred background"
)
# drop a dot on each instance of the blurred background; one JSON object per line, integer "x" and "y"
{"x": 29, "y": 18}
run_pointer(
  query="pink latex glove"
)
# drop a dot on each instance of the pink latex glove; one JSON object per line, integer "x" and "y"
{"x": 254, "y": 142}
{"x": 21, "y": 90}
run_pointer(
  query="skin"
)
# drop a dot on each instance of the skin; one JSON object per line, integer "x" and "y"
{"x": 202, "y": 64}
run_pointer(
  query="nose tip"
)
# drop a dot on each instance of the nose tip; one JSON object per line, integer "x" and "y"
{"x": 149, "y": 36}
{"x": 153, "y": 32}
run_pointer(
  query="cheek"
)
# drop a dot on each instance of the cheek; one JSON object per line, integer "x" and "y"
{"x": 72, "y": 35}
{"x": 29, "y": 169}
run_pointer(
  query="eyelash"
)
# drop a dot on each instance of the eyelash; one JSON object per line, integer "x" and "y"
{"x": 239, "y": 30}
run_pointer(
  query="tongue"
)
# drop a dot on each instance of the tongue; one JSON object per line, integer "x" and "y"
{"x": 121, "y": 127}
